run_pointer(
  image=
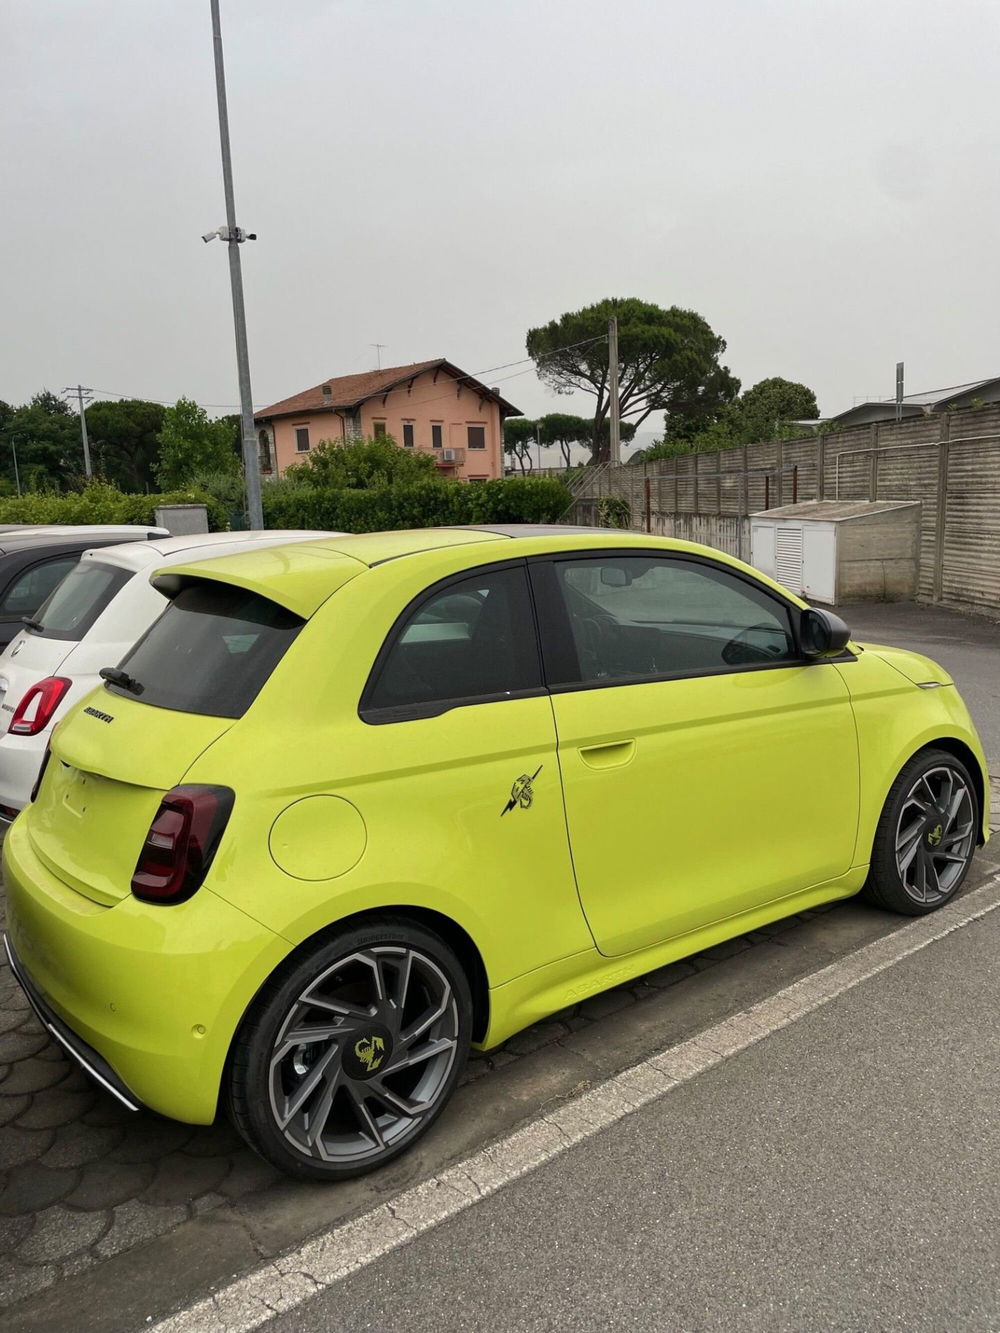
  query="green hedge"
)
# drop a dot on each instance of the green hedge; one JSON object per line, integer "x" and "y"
{"x": 103, "y": 504}
{"x": 425, "y": 505}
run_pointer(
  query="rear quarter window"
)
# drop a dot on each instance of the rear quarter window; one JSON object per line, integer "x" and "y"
{"x": 78, "y": 600}
{"x": 210, "y": 652}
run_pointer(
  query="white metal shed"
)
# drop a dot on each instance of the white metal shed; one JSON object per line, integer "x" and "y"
{"x": 840, "y": 550}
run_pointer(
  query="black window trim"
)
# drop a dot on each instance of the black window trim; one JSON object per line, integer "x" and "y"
{"x": 551, "y": 625}
{"x": 375, "y": 717}
{"x": 556, "y": 637}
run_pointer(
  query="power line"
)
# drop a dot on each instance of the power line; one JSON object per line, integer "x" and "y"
{"x": 474, "y": 375}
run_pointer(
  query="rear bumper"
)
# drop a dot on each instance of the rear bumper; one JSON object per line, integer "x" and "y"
{"x": 95, "y": 1065}
{"x": 20, "y": 760}
{"x": 149, "y": 997}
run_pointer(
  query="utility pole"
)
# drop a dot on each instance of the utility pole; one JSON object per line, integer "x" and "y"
{"x": 615, "y": 425}
{"x": 899, "y": 391}
{"x": 13, "y": 448}
{"x": 79, "y": 392}
{"x": 234, "y": 237}
{"x": 378, "y": 353}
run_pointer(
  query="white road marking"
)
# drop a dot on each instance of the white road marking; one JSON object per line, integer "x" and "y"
{"x": 286, "y": 1282}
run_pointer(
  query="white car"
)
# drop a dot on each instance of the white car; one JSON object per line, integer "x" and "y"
{"x": 91, "y": 619}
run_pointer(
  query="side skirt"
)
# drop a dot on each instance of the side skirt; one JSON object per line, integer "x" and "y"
{"x": 530, "y": 998}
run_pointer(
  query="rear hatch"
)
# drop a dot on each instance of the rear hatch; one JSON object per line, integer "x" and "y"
{"x": 60, "y": 623}
{"x": 108, "y": 770}
{"x": 115, "y": 756}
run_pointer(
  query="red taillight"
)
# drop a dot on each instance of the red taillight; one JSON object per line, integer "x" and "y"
{"x": 181, "y": 843}
{"x": 41, "y": 771}
{"x": 34, "y": 713}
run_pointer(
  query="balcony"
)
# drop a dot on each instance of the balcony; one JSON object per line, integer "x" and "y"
{"x": 446, "y": 458}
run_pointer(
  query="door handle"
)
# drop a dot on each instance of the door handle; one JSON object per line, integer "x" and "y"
{"x": 611, "y": 755}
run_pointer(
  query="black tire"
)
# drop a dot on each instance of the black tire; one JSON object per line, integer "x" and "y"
{"x": 352, "y": 1051}
{"x": 926, "y": 836}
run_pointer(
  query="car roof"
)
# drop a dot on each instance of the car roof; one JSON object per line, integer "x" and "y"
{"x": 200, "y": 546}
{"x": 78, "y": 537}
{"x": 303, "y": 576}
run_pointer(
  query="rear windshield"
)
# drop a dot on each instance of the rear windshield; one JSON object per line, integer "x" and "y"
{"x": 210, "y": 652}
{"x": 77, "y": 602}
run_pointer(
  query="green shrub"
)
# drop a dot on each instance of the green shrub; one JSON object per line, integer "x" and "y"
{"x": 358, "y": 465}
{"x": 100, "y": 503}
{"x": 614, "y": 511}
{"x": 425, "y": 504}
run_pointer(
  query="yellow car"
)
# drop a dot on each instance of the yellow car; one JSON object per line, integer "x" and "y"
{"x": 355, "y": 804}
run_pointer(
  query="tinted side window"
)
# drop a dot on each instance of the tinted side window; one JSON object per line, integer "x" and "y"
{"x": 473, "y": 639}
{"x": 636, "y": 616}
{"x": 79, "y": 599}
{"x": 31, "y": 587}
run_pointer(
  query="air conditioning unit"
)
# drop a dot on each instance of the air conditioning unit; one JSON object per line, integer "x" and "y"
{"x": 449, "y": 455}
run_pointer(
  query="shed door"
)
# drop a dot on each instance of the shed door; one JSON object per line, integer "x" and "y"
{"x": 819, "y": 559}
{"x": 762, "y": 548}
{"x": 788, "y": 556}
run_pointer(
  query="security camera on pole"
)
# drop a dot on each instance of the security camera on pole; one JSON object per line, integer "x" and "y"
{"x": 234, "y": 237}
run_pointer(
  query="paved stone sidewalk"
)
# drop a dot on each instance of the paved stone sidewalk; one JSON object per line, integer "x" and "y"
{"x": 82, "y": 1179}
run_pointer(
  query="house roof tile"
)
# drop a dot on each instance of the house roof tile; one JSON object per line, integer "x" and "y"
{"x": 349, "y": 391}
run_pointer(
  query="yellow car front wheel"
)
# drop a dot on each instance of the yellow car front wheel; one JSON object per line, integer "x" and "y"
{"x": 352, "y": 1052}
{"x": 926, "y": 836}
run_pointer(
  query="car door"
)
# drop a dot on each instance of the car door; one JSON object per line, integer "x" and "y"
{"x": 706, "y": 768}
{"x": 451, "y": 761}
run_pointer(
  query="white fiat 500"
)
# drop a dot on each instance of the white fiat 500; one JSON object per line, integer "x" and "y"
{"x": 91, "y": 619}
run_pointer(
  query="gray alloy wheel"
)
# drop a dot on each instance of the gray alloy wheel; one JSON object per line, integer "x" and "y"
{"x": 926, "y": 835}
{"x": 935, "y": 834}
{"x": 353, "y": 1055}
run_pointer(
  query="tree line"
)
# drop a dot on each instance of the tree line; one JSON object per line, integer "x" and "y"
{"x": 670, "y": 364}
{"x": 135, "y": 445}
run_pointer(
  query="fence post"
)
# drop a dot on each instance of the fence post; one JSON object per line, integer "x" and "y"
{"x": 744, "y": 508}
{"x": 779, "y": 463}
{"x": 649, "y": 506}
{"x": 941, "y": 508}
{"x": 694, "y": 484}
{"x": 873, "y": 464}
{"x": 820, "y": 465}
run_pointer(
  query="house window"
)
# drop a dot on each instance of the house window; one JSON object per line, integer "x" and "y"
{"x": 477, "y": 437}
{"x": 378, "y": 430}
{"x": 436, "y": 430}
{"x": 477, "y": 479}
{"x": 407, "y": 434}
{"x": 301, "y": 439}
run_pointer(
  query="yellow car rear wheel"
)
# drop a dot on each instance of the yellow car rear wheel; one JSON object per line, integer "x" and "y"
{"x": 352, "y": 1051}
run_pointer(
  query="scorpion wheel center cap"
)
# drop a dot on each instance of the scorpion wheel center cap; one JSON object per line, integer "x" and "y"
{"x": 367, "y": 1051}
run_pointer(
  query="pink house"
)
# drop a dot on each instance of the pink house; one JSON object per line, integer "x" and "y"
{"x": 430, "y": 406}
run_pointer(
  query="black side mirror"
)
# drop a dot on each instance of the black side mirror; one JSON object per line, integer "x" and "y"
{"x": 822, "y": 634}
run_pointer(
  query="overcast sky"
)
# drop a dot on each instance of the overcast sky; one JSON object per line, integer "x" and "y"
{"x": 818, "y": 178}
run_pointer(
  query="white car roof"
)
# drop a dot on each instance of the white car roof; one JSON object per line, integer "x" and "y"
{"x": 195, "y": 546}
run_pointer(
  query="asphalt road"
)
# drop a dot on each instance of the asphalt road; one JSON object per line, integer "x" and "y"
{"x": 839, "y": 1175}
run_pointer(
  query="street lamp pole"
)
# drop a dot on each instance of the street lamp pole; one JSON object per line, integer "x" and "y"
{"x": 234, "y": 237}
